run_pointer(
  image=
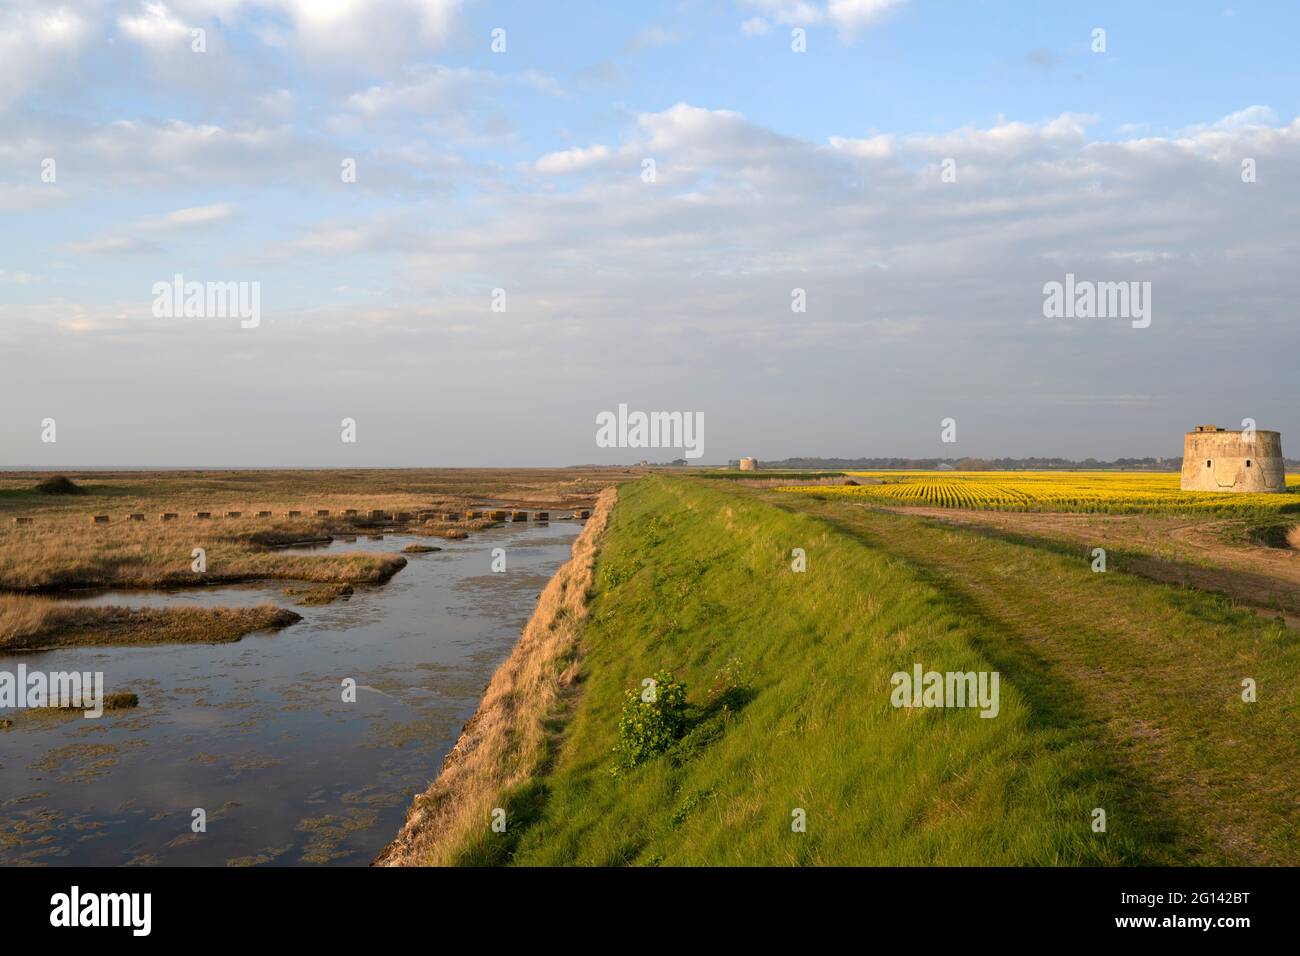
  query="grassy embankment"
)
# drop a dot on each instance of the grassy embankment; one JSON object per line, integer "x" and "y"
{"x": 1116, "y": 692}
{"x": 1157, "y": 668}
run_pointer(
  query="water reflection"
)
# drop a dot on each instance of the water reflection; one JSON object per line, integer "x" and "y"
{"x": 256, "y": 733}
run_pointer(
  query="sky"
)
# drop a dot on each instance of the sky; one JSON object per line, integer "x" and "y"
{"x": 823, "y": 227}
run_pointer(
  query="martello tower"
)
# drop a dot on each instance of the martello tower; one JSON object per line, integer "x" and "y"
{"x": 1217, "y": 459}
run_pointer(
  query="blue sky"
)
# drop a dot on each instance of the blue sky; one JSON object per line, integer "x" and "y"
{"x": 522, "y": 170}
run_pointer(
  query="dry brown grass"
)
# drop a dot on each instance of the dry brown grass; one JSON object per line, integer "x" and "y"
{"x": 452, "y": 530}
{"x": 321, "y": 594}
{"x": 61, "y": 553}
{"x": 23, "y": 616}
{"x": 62, "y": 550}
{"x": 119, "y": 493}
{"x": 35, "y": 623}
{"x": 507, "y": 739}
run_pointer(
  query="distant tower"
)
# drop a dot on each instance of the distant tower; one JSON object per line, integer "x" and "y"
{"x": 749, "y": 464}
{"x": 1217, "y": 459}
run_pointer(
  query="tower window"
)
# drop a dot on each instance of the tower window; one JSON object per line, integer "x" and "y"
{"x": 1208, "y": 463}
{"x": 1247, "y": 462}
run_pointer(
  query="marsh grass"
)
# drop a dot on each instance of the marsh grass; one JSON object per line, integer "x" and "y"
{"x": 38, "y": 623}
{"x": 281, "y": 490}
{"x": 61, "y": 551}
{"x": 118, "y": 700}
{"x": 320, "y": 595}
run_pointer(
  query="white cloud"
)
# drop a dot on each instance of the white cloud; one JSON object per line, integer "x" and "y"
{"x": 792, "y": 12}
{"x": 356, "y": 30}
{"x": 43, "y": 43}
{"x": 189, "y": 217}
{"x": 1252, "y": 117}
{"x": 37, "y": 41}
{"x": 279, "y": 103}
{"x": 370, "y": 32}
{"x": 1006, "y": 139}
{"x": 457, "y": 104}
{"x": 433, "y": 89}
{"x": 20, "y": 196}
{"x": 573, "y": 160}
{"x": 112, "y": 246}
{"x": 850, "y": 17}
{"x": 872, "y": 147}
{"x": 200, "y": 153}
{"x": 125, "y": 243}
{"x": 384, "y": 232}
{"x": 423, "y": 89}
{"x": 156, "y": 28}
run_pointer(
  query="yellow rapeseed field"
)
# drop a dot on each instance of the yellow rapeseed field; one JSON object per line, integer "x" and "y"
{"x": 1095, "y": 491}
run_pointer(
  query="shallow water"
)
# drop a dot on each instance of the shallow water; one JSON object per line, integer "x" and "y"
{"x": 256, "y": 733}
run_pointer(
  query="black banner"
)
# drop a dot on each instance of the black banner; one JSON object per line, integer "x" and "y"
{"x": 330, "y": 906}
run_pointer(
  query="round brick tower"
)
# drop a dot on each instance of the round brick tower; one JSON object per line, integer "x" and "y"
{"x": 1217, "y": 459}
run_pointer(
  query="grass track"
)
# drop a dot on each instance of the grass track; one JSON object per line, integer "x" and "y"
{"x": 1159, "y": 668}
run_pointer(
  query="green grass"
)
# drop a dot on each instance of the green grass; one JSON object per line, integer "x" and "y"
{"x": 1115, "y": 693}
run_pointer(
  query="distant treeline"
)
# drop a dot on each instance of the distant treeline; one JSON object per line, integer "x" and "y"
{"x": 987, "y": 464}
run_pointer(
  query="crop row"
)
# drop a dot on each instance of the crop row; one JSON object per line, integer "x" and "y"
{"x": 1103, "y": 492}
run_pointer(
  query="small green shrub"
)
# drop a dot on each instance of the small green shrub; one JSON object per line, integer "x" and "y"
{"x": 689, "y": 805}
{"x": 653, "y": 719}
{"x": 612, "y": 575}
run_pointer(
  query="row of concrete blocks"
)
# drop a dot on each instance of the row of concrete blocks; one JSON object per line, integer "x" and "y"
{"x": 424, "y": 515}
